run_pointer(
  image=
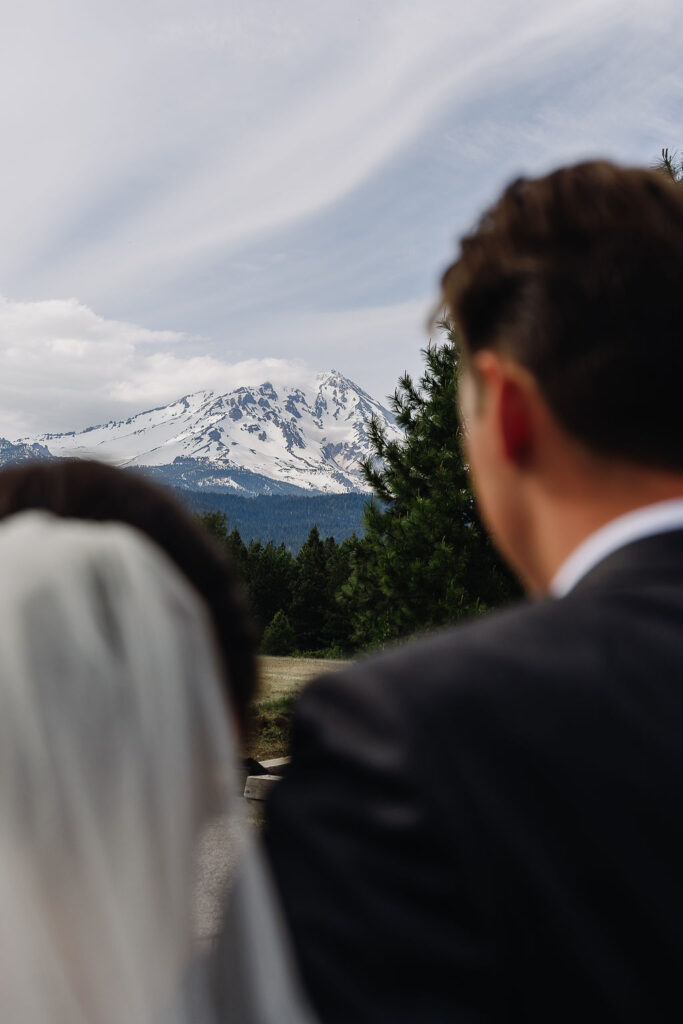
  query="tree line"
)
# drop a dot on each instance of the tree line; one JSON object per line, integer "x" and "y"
{"x": 424, "y": 560}
{"x": 293, "y": 598}
{"x": 282, "y": 518}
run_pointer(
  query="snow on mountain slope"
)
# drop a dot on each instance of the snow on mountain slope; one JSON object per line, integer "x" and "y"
{"x": 11, "y": 454}
{"x": 305, "y": 438}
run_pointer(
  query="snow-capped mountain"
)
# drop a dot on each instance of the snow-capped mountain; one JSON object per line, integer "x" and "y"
{"x": 253, "y": 440}
{"x": 20, "y": 452}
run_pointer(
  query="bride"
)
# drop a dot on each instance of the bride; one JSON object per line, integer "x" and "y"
{"x": 113, "y": 735}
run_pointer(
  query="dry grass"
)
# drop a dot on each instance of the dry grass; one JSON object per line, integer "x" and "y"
{"x": 281, "y": 681}
{"x": 281, "y": 676}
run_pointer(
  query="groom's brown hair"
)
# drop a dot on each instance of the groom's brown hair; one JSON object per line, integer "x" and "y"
{"x": 578, "y": 276}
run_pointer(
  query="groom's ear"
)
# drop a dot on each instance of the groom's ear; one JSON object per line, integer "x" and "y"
{"x": 516, "y": 422}
{"x": 506, "y": 401}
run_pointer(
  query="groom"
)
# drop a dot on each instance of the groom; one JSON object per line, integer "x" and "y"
{"x": 488, "y": 825}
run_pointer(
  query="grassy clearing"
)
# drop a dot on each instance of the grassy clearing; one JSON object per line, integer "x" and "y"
{"x": 287, "y": 675}
{"x": 282, "y": 680}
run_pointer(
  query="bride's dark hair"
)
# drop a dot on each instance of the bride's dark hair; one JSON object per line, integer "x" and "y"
{"x": 84, "y": 489}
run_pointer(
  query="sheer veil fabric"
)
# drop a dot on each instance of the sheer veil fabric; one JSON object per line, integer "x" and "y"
{"x": 113, "y": 730}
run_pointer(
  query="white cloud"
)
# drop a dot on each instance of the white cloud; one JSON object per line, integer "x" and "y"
{"x": 63, "y": 367}
{"x": 71, "y": 327}
{"x": 163, "y": 376}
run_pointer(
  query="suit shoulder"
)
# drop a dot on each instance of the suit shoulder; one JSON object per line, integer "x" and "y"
{"x": 532, "y": 655}
{"x": 508, "y": 641}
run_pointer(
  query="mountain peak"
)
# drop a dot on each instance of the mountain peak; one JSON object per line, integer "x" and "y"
{"x": 307, "y": 436}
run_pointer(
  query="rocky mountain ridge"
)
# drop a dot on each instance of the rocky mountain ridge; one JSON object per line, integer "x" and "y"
{"x": 305, "y": 438}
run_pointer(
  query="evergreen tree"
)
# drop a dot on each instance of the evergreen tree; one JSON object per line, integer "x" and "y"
{"x": 425, "y": 559}
{"x": 237, "y": 550}
{"x": 337, "y": 627}
{"x": 310, "y": 598}
{"x": 270, "y": 575}
{"x": 279, "y": 636}
{"x": 671, "y": 165}
{"x": 217, "y": 525}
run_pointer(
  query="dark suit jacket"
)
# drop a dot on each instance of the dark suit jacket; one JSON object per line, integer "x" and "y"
{"x": 488, "y": 825}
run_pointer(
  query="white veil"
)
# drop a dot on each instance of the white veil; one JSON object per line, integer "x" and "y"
{"x": 113, "y": 729}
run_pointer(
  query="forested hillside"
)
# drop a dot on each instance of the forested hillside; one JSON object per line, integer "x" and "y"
{"x": 295, "y": 599}
{"x": 282, "y": 518}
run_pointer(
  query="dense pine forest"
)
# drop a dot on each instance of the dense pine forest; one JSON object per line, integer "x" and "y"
{"x": 295, "y": 599}
{"x": 283, "y": 518}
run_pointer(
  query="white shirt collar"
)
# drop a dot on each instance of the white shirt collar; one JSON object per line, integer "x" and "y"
{"x": 642, "y": 522}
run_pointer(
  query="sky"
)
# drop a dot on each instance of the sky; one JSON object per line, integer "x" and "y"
{"x": 198, "y": 194}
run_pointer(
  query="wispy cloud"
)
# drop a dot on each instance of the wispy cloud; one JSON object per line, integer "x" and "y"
{"x": 174, "y": 133}
{"x": 282, "y": 180}
{"x": 63, "y": 367}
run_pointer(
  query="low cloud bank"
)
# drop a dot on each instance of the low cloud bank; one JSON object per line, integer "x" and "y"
{"x": 63, "y": 367}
